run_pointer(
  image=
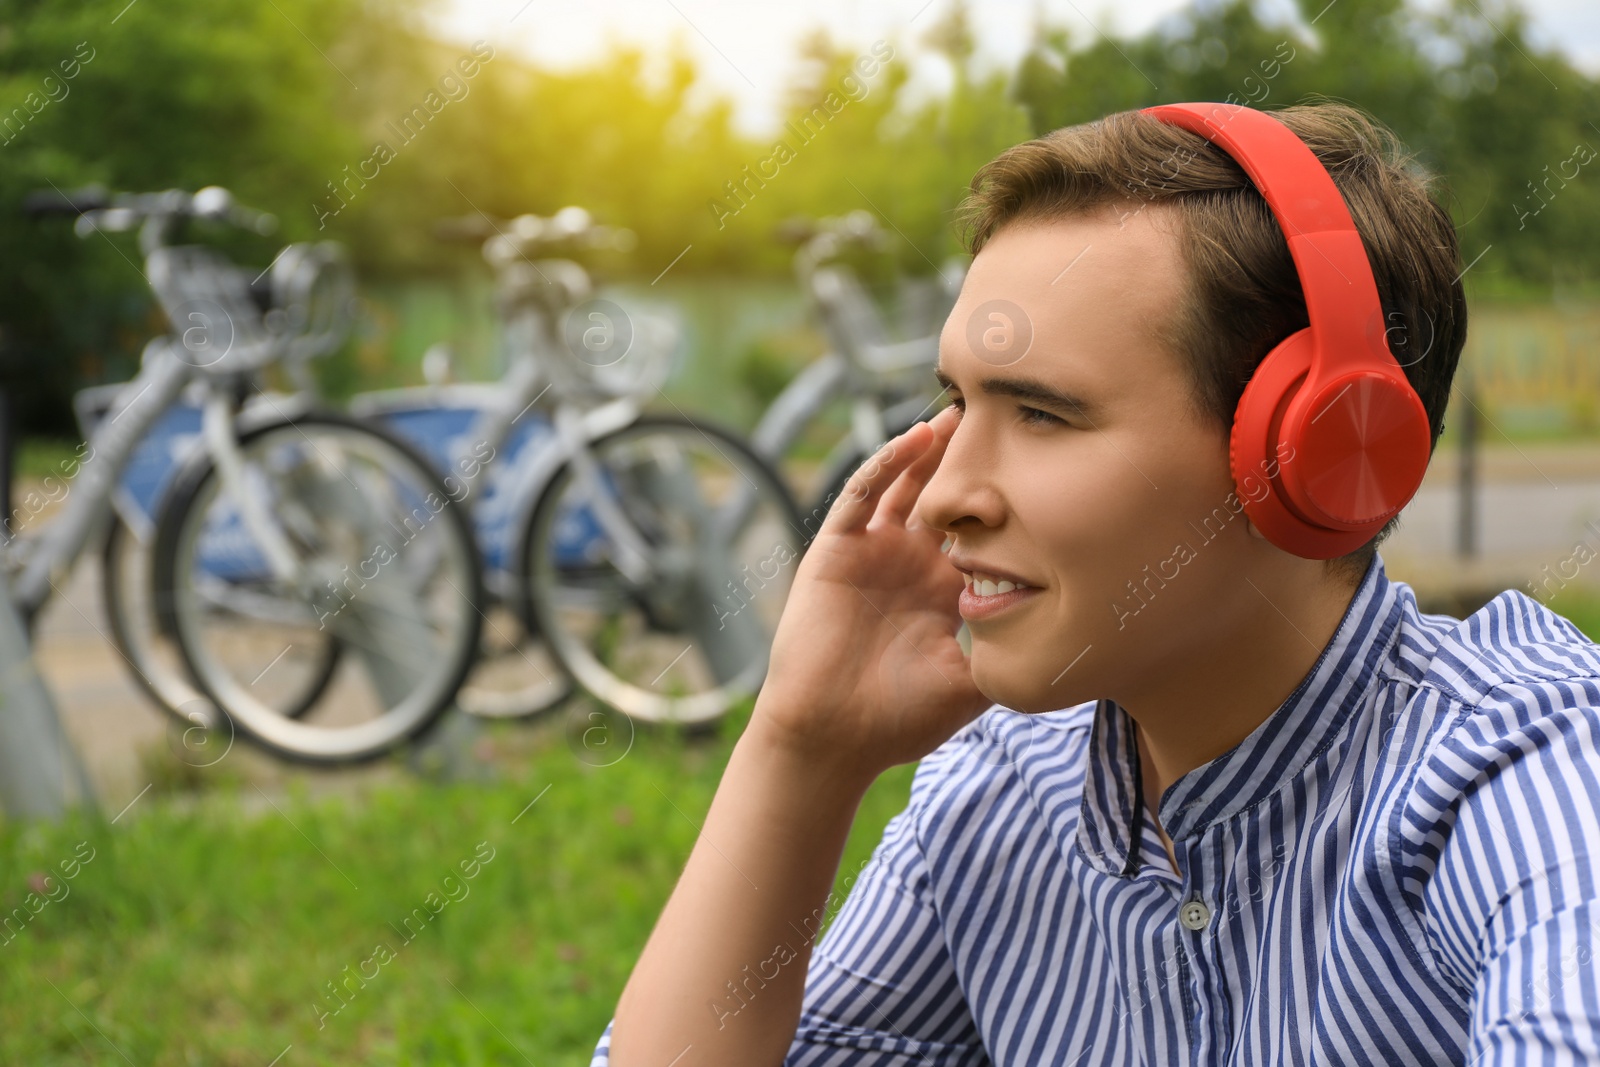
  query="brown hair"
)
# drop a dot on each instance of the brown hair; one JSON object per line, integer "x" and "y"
{"x": 1244, "y": 294}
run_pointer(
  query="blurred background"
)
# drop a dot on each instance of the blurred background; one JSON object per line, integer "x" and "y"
{"x": 243, "y": 906}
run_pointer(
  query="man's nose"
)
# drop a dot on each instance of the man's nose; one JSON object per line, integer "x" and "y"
{"x": 954, "y": 490}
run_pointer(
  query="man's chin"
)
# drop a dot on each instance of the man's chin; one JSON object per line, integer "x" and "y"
{"x": 1005, "y": 688}
{"x": 1013, "y": 678}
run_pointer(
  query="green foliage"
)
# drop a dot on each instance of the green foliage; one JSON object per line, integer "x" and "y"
{"x": 218, "y": 928}
{"x": 290, "y": 103}
{"x": 1476, "y": 101}
{"x": 180, "y": 94}
{"x": 765, "y": 369}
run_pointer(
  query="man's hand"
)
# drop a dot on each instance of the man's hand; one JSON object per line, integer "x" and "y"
{"x": 866, "y": 671}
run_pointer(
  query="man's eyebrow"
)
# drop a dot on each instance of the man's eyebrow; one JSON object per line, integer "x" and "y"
{"x": 1031, "y": 390}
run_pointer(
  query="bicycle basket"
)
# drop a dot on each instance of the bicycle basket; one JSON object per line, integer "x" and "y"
{"x": 314, "y": 289}
{"x": 207, "y": 299}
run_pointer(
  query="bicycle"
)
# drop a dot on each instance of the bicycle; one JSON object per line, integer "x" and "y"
{"x": 231, "y": 540}
{"x": 611, "y": 534}
{"x": 887, "y": 378}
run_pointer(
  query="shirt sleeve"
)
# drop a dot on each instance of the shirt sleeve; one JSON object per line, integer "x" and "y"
{"x": 881, "y": 990}
{"x": 1514, "y": 904}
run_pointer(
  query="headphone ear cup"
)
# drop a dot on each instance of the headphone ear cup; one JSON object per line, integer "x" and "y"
{"x": 1260, "y": 461}
{"x": 1367, "y": 444}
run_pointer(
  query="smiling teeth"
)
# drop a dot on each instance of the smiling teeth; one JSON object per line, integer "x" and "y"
{"x": 982, "y": 586}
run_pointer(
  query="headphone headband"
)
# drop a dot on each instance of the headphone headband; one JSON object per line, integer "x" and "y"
{"x": 1335, "y": 275}
{"x": 1329, "y": 401}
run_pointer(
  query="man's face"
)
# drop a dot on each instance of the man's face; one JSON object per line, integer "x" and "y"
{"x": 1081, "y": 503}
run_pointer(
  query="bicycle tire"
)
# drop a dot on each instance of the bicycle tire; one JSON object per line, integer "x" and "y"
{"x": 171, "y": 691}
{"x": 293, "y": 739}
{"x": 535, "y": 540}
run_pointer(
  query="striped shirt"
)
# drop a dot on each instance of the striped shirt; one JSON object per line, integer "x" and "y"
{"x": 1400, "y": 865}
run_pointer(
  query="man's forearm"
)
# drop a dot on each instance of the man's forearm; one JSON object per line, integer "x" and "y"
{"x": 723, "y": 973}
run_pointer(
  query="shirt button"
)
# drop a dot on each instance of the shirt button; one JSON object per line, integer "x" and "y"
{"x": 1195, "y": 915}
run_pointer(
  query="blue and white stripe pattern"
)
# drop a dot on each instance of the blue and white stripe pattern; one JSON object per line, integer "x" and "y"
{"x": 1401, "y": 865}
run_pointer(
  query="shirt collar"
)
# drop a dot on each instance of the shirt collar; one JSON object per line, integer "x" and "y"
{"x": 1110, "y": 822}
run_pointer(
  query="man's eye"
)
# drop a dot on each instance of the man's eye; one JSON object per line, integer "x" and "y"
{"x": 1030, "y": 416}
{"x": 1035, "y": 417}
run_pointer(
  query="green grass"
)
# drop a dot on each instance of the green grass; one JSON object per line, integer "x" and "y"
{"x": 207, "y": 927}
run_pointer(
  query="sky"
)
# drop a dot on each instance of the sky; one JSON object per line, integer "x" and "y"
{"x": 747, "y": 48}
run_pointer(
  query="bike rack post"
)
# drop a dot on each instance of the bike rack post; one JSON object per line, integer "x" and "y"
{"x": 36, "y": 756}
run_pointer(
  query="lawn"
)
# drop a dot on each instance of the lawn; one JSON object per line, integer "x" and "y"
{"x": 220, "y": 927}
{"x": 408, "y": 922}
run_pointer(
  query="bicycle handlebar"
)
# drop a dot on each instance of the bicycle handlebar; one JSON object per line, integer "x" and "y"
{"x": 825, "y": 239}
{"x": 42, "y": 203}
{"x": 859, "y": 227}
{"x": 507, "y": 240}
{"x": 97, "y": 211}
{"x": 301, "y": 306}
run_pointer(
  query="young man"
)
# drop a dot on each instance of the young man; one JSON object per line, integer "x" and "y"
{"x": 1192, "y": 798}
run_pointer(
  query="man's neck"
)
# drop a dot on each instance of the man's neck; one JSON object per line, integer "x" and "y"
{"x": 1200, "y": 713}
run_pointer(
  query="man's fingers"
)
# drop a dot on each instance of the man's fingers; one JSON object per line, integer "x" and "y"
{"x": 856, "y": 504}
{"x": 900, "y": 499}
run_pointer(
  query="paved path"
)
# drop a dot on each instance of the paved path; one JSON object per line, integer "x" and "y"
{"x": 107, "y": 717}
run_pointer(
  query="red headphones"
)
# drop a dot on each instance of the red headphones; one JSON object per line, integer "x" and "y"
{"x": 1353, "y": 434}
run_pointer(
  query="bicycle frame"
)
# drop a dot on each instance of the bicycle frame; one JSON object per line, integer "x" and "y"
{"x": 541, "y": 374}
{"x": 857, "y": 364}
{"x": 159, "y": 384}
{"x": 530, "y": 376}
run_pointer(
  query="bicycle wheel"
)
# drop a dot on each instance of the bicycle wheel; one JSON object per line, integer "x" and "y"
{"x": 151, "y": 650}
{"x": 387, "y": 567}
{"x": 658, "y": 565}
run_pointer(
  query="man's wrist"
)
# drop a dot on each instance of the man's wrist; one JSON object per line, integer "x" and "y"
{"x": 808, "y": 771}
